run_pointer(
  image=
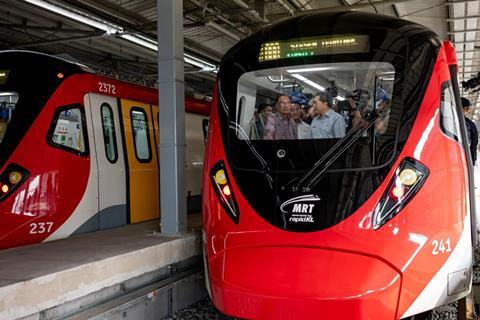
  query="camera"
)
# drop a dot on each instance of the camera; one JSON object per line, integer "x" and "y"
{"x": 343, "y": 105}
{"x": 471, "y": 83}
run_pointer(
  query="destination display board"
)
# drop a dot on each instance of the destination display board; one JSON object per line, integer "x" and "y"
{"x": 306, "y": 47}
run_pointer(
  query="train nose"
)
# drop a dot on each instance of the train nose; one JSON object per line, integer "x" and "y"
{"x": 303, "y": 283}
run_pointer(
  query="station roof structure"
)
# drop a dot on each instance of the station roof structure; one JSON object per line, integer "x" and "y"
{"x": 118, "y": 37}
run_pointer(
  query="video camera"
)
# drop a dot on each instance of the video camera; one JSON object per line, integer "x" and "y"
{"x": 359, "y": 96}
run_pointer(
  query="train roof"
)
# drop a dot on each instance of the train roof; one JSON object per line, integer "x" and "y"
{"x": 74, "y": 67}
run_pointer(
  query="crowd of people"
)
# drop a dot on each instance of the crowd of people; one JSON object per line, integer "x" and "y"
{"x": 288, "y": 119}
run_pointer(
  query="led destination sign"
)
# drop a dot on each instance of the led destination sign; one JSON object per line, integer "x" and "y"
{"x": 314, "y": 47}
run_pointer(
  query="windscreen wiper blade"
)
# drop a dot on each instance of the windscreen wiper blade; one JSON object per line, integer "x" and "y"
{"x": 318, "y": 174}
{"x": 317, "y": 164}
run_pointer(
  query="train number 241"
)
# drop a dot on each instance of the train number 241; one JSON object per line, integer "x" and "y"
{"x": 441, "y": 246}
{"x": 40, "y": 227}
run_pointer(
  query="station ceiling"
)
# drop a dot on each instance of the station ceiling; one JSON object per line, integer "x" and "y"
{"x": 211, "y": 27}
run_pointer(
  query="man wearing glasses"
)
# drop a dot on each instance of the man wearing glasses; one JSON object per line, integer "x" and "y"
{"x": 280, "y": 126}
{"x": 327, "y": 124}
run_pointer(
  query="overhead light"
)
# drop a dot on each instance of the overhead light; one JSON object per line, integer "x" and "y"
{"x": 308, "y": 81}
{"x": 200, "y": 63}
{"x": 77, "y": 16}
{"x": 308, "y": 70}
{"x": 142, "y": 41}
{"x": 113, "y": 29}
{"x": 340, "y": 98}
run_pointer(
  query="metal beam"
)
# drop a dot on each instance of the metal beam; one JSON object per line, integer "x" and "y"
{"x": 61, "y": 40}
{"x": 259, "y": 6}
{"x": 358, "y": 5}
{"x": 219, "y": 16}
{"x": 462, "y": 18}
{"x": 466, "y": 30}
{"x": 449, "y": 3}
{"x": 106, "y": 8}
{"x": 461, "y": 51}
{"x": 172, "y": 117}
{"x": 200, "y": 49}
{"x": 286, "y": 5}
{"x": 214, "y": 26}
{"x": 355, "y": 6}
{"x": 41, "y": 28}
{"x": 252, "y": 11}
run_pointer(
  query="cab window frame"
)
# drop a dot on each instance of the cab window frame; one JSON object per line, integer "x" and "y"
{"x": 53, "y": 125}
{"x": 457, "y": 135}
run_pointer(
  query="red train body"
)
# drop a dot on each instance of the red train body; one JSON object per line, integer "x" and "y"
{"x": 66, "y": 184}
{"x": 268, "y": 254}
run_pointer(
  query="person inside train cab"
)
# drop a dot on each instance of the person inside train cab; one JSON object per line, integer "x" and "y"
{"x": 258, "y": 124}
{"x": 383, "y": 111}
{"x": 472, "y": 132}
{"x": 280, "y": 125}
{"x": 327, "y": 124}
{"x": 358, "y": 111}
{"x": 303, "y": 129}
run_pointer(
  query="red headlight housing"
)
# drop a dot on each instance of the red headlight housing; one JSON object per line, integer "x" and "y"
{"x": 11, "y": 178}
{"x": 223, "y": 190}
{"x": 405, "y": 183}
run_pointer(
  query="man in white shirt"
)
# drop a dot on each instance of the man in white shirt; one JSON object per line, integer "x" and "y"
{"x": 303, "y": 129}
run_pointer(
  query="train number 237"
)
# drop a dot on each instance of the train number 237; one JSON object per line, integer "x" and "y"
{"x": 40, "y": 227}
{"x": 107, "y": 88}
{"x": 441, "y": 246}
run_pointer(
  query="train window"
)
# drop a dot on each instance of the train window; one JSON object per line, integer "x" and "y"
{"x": 109, "y": 136}
{"x": 141, "y": 139}
{"x": 68, "y": 130}
{"x": 8, "y": 100}
{"x": 449, "y": 123}
{"x": 283, "y": 103}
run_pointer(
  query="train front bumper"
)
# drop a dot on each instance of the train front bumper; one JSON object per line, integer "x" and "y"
{"x": 302, "y": 283}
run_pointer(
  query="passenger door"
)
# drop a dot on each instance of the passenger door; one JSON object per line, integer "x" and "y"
{"x": 194, "y": 155}
{"x": 110, "y": 161}
{"x": 142, "y": 167}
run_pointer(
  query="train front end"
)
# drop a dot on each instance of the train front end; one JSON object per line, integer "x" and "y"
{"x": 370, "y": 222}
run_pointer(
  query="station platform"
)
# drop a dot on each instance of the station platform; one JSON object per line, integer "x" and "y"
{"x": 65, "y": 277}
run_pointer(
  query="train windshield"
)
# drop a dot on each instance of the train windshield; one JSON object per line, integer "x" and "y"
{"x": 27, "y": 81}
{"x": 337, "y": 102}
{"x": 338, "y": 111}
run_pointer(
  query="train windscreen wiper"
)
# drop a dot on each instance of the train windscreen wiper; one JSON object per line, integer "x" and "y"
{"x": 315, "y": 173}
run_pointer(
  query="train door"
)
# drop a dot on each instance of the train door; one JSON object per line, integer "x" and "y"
{"x": 110, "y": 161}
{"x": 142, "y": 167}
{"x": 194, "y": 159}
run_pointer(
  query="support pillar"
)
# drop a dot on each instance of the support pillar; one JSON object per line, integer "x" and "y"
{"x": 171, "y": 101}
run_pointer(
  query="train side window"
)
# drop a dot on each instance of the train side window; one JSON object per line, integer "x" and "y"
{"x": 141, "y": 139}
{"x": 449, "y": 123}
{"x": 109, "y": 137}
{"x": 8, "y": 101}
{"x": 68, "y": 130}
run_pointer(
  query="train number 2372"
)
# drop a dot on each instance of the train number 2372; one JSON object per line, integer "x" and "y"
{"x": 107, "y": 88}
{"x": 441, "y": 246}
{"x": 40, "y": 227}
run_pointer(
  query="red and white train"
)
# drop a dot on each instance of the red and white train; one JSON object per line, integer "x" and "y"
{"x": 79, "y": 151}
{"x": 373, "y": 224}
